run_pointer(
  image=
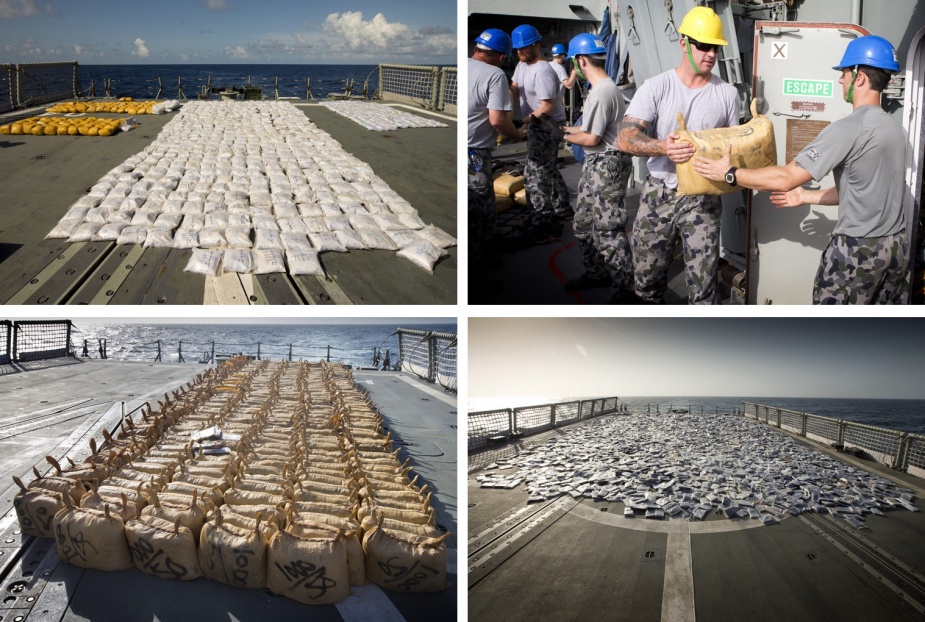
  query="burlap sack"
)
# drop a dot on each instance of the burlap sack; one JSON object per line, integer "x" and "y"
{"x": 189, "y": 515}
{"x": 163, "y": 549}
{"x": 232, "y": 556}
{"x": 404, "y": 562}
{"x": 91, "y": 538}
{"x": 36, "y": 509}
{"x": 127, "y": 510}
{"x": 753, "y": 146}
{"x": 308, "y": 565}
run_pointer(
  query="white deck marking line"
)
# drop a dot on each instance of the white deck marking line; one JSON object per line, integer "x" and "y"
{"x": 225, "y": 290}
{"x": 368, "y": 602}
{"x": 338, "y": 296}
{"x": 429, "y": 390}
{"x": 678, "y": 590}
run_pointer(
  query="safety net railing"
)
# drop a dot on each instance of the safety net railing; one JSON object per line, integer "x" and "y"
{"x": 35, "y": 340}
{"x": 503, "y": 424}
{"x": 430, "y": 355}
{"x": 410, "y": 84}
{"x": 33, "y": 84}
{"x": 6, "y": 347}
{"x": 449, "y": 80}
{"x": 897, "y": 449}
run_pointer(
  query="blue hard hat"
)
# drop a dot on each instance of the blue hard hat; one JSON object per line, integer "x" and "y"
{"x": 585, "y": 44}
{"x": 558, "y": 49}
{"x": 525, "y": 35}
{"x": 497, "y": 40}
{"x": 872, "y": 51}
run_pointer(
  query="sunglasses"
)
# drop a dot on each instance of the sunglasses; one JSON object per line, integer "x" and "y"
{"x": 703, "y": 47}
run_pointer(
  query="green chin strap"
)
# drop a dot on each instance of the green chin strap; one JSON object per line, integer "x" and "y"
{"x": 581, "y": 74}
{"x": 690, "y": 56}
{"x": 849, "y": 97}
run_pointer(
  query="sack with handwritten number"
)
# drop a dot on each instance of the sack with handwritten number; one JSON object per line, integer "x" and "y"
{"x": 233, "y": 556}
{"x": 162, "y": 548}
{"x": 36, "y": 509}
{"x": 91, "y": 538}
{"x": 308, "y": 563}
{"x": 405, "y": 562}
{"x": 753, "y": 146}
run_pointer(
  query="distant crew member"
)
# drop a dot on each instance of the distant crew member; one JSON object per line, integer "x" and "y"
{"x": 664, "y": 216}
{"x": 537, "y": 86}
{"x": 866, "y": 261}
{"x": 566, "y": 72}
{"x": 600, "y": 215}
{"x": 489, "y": 113}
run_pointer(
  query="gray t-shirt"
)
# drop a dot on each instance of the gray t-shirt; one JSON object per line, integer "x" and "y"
{"x": 562, "y": 72}
{"x": 662, "y": 97}
{"x": 866, "y": 152}
{"x": 602, "y": 114}
{"x": 488, "y": 90}
{"x": 538, "y": 81}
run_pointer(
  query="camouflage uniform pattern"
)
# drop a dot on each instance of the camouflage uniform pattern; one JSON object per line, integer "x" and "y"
{"x": 863, "y": 271}
{"x": 663, "y": 217}
{"x": 482, "y": 213}
{"x": 545, "y": 186}
{"x": 600, "y": 217}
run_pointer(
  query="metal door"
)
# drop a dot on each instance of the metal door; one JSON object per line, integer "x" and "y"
{"x": 799, "y": 91}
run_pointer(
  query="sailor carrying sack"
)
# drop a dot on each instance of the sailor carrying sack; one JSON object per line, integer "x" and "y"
{"x": 753, "y": 146}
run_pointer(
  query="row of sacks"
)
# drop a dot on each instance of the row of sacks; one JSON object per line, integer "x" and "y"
{"x": 258, "y": 467}
{"x": 396, "y": 515}
{"x": 378, "y": 117}
{"x": 261, "y": 167}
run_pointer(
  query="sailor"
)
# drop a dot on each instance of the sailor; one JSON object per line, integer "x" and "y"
{"x": 866, "y": 260}
{"x": 566, "y": 72}
{"x": 600, "y": 215}
{"x": 489, "y": 108}
{"x": 649, "y": 129}
{"x": 537, "y": 86}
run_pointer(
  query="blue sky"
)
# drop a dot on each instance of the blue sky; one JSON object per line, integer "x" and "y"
{"x": 786, "y": 357}
{"x": 228, "y": 31}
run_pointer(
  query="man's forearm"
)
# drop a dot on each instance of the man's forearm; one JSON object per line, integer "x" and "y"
{"x": 633, "y": 139}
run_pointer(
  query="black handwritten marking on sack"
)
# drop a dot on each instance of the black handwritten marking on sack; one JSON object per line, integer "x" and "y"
{"x": 404, "y": 574}
{"x": 150, "y": 560}
{"x": 72, "y": 545}
{"x": 307, "y": 575}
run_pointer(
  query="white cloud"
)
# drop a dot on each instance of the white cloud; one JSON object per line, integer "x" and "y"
{"x": 215, "y": 5}
{"x": 141, "y": 50}
{"x": 356, "y": 33}
{"x": 236, "y": 52}
{"x": 18, "y": 8}
{"x": 348, "y": 34}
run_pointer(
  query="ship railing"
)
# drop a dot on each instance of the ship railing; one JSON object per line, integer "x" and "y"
{"x": 503, "y": 424}
{"x": 430, "y": 355}
{"x": 426, "y": 86}
{"x": 31, "y": 84}
{"x": 897, "y": 449}
{"x": 29, "y": 344}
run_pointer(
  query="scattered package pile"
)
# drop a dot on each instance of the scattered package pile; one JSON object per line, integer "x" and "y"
{"x": 251, "y": 187}
{"x": 125, "y": 105}
{"x": 63, "y": 126}
{"x": 256, "y": 475}
{"x": 687, "y": 466}
{"x": 377, "y": 117}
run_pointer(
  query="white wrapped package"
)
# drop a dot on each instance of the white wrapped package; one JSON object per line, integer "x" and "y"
{"x": 85, "y": 232}
{"x": 267, "y": 238}
{"x": 337, "y": 223}
{"x": 238, "y": 260}
{"x": 375, "y": 239}
{"x": 212, "y": 238}
{"x": 159, "y": 237}
{"x": 351, "y": 239}
{"x": 411, "y": 221}
{"x": 205, "y": 261}
{"x": 268, "y": 261}
{"x": 327, "y": 242}
{"x": 403, "y": 238}
{"x": 170, "y": 221}
{"x": 133, "y": 234}
{"x": 315, "y": 225}
{"x": 186, "y": 238}
{"x": 436, "y": 236}
{"x": 304, "y": 263}
{"x": 295, "y": 242}
{"x": 64, "y": 228}
{"x": 238, "y": 237}
{"x": 110, "y": 231}
{"x": 421, "y": 253}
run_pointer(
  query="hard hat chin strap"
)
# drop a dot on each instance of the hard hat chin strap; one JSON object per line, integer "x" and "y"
{"x": 690, "y": 56}
{"x": 849, "y": 97}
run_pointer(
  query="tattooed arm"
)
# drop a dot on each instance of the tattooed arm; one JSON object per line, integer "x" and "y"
{"x": 634, "y": 139}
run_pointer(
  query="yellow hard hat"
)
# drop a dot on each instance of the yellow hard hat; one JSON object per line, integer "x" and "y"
{"x": 702, "y": 24}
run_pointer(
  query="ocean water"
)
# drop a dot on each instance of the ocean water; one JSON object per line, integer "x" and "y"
{"x": 906, "y": 415}
{"x": 140, "y": 81}
{"x": 349, "y": 343}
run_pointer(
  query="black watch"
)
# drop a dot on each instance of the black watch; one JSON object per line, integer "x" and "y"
{"x": 731, "y": 176}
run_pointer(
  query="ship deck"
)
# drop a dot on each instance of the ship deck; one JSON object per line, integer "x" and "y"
{"x": 54, "y": 408}
{"x": 576, "y": 559}
{"x": 42, "y": 177}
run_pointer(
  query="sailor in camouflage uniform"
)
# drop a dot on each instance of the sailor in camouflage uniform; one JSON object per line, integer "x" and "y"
{"x": 536, "y": 85}
{"x": 600, "y": 217}
{"x": 489, "y": 107}
{"x": 867, "y": 259}
{"x": 664, "y": 216}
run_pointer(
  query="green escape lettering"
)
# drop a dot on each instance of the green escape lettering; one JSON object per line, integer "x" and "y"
{"x": 808, "y": 88}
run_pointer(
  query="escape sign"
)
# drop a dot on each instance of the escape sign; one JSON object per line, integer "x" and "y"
{"x": 808, "y": 88}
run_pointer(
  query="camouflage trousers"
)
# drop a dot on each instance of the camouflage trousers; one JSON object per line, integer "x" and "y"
{"x": 545, "y": 186}
{"x": 600, "y": 217}
{"x": 863, "y": 271}
{"x": 664, "y": 216}
{"x": 482, "y": 214}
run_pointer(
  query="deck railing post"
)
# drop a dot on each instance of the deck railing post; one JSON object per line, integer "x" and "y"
{"x": 180, "y": 353}
{"x": 841, "y": 433}
{"x": 552, "y": 415}
{"x": 290, "y": 352}
{"x": 158, "y": 357}
{"x": 803, "y": 418}
{"x": 258, "y": 343}
{"x": 432, "y": 358}
{"x": 901, "y": 460}
{"x": 86, "y": 352}
{"x": 329, "y": 354}
{"x": 212, "y": 360}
